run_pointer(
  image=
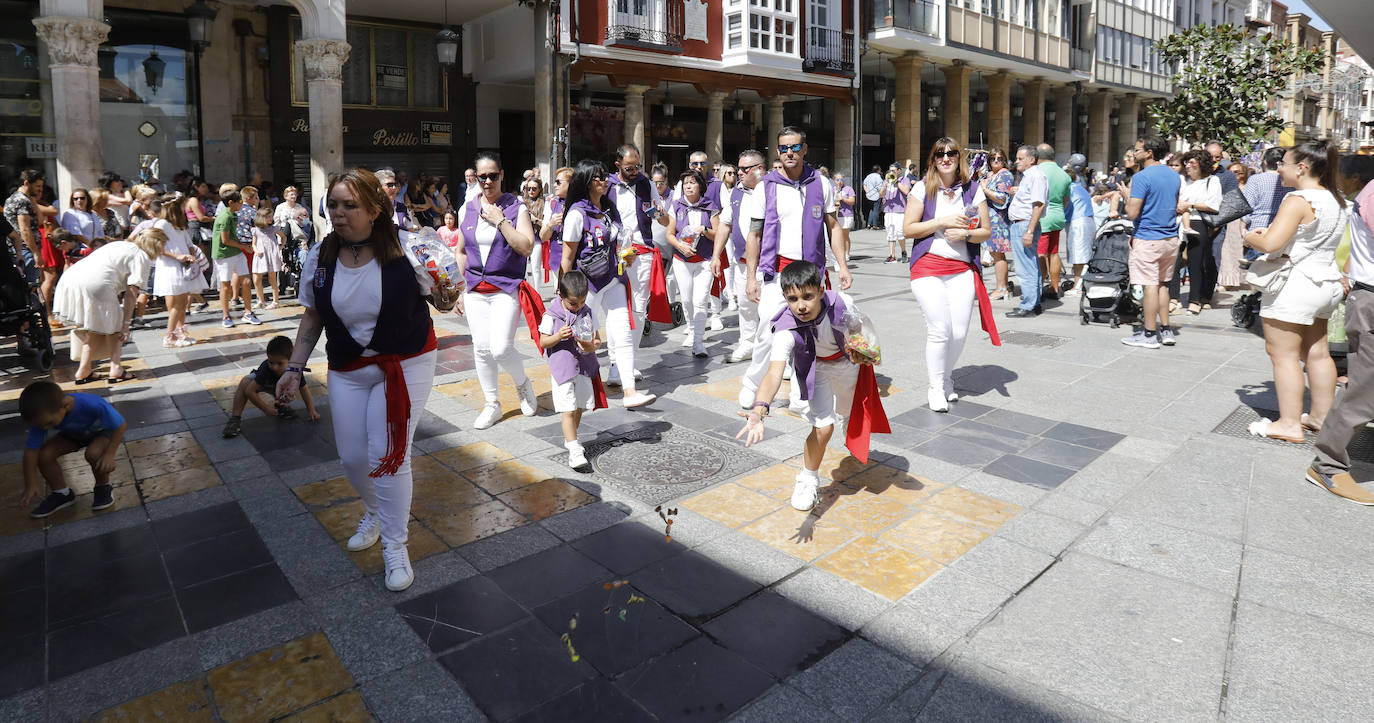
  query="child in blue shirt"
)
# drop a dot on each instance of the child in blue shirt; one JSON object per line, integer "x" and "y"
{"x": 81, "y": 420}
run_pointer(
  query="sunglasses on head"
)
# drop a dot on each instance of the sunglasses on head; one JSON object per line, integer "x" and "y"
{"x": 488, "y": 177}
{"x": 947, "y": 154}
{"x": 790, "y": 148}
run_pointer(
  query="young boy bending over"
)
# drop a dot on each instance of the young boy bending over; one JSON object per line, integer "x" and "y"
{"x": 81, "y": 420}
{"x": 263, "y": 380}
{"x": 569, "y": 336}
{"x": 838, "y": 382}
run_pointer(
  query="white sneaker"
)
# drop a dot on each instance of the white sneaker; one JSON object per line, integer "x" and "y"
{"x": 804, "y": 493}
{"x": 936, "y": 399}
{"x": 577, "y": 457}
{"x": 488, "y": 416}
{"x": 950, "y": 394}
{"x": 740, "y": 354}
{"x": 746, "y": 397}
{"x": 717, "y": 323}
{"x": 399, "y": 574}
{"x": 369, "y": 531}
{"x": 732, "y": 304}
{"x": 529, "y": 403}
{"x": 687, "y": 338}
{"x": 699, "y": 350}
{"x": 638, "y": 399}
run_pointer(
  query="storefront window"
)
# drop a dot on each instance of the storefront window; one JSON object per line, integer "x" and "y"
{"x": 387, "y": 67}
{"x": 147, "y": 128}
{"x": 24, "y": 96}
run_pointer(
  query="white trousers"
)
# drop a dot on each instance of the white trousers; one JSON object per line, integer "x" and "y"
{"x": 947, "y": 303}
{"x": 492, "y": 319}
{"x": 748, "y": 310}
{"x": 694, "y": 279}
{"x": 640, "y": 273}
{"x": 357, "y": 406}
{"x": 771, "y": 302}
{"x": 609, "y": 306}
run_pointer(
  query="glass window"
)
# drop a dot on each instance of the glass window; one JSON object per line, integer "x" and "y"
{"x": 357, "y": 86}
{"x": 734, "y": 29}
{"x": 392, "y": 66}
{"x": 386, "y": 66}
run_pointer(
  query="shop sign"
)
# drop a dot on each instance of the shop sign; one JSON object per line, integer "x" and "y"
{"x": 391, "y": 77}
{"x": 301, "y": 125}
{"x": 694, "y": 25}
{"x": 38, "y": 147}
{"x": 436, "y": 133}
{"x": 382, "y": 137}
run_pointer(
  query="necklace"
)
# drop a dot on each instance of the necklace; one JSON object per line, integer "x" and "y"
{"x": 356, "y": 248}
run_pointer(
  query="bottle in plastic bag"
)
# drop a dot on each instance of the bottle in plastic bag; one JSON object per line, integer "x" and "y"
{"x": 582, "y": 329}
{"x": 436, "y": 258}
{"x": 861, "y": 336}
{"x": 972, "y": 213}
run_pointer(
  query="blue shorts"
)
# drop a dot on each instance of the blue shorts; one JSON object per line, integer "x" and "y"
{"x": 86, "y": 442}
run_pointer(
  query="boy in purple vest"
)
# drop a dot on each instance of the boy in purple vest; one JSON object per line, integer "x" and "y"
{"x": 810, "y": 332}
{"x": 569, "y": 335}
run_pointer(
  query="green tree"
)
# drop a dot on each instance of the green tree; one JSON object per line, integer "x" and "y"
{"x": 1224, "y": 83}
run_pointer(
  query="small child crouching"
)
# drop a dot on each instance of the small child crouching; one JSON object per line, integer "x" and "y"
{"x": 569, "y": 334}
{"x": 82, "y": 421}
{"x": 837, "y": 381}
{"x": 263, "y": 380}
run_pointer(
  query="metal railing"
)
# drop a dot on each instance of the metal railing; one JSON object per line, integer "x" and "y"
{"x": 647, "y": 23}
{"x": 829, "y": 50}
{"x": 920, "y": 16}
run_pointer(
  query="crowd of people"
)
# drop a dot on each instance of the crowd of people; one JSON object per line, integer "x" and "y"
{"x": 626, "y": 246}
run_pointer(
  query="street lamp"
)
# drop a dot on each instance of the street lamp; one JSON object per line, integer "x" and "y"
{"x": 584, "y": 97}
{"x": 668, "y": 106}
{"x": 880, "y": 89}
{"x": 446, "y": 46}
{"x": 737, "y": 110}
{"x": 200, "y": 23}
{"x": 153, "y": 68}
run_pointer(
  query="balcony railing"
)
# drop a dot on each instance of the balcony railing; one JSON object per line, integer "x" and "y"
{"x": 653, "y": 24}
{"x": 829, "y": 51}
{"x": 920, "y": 16}
{"x": 1081, "y": 59}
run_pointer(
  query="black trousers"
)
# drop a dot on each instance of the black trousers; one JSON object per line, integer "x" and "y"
{"x": 1196, "y": 252}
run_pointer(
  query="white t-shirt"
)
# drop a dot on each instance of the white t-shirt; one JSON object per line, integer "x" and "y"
{"x": 790, "y": 209}
{"x": 627, "y": 203}
{"x": 727, "y": 211}
{"x": 825, "y": 339}
{"x": 1204, "y": 192}
{"x": 945, "y": 206}
{"x": 486, "y": 233}
{"x": 357, "y": 295}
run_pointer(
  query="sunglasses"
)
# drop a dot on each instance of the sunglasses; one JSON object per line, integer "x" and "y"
{"x": 629, "y": 170}
{"x": 746, "y": 169}
{"x": 790, "y": 148}
{"x": 78, "y": 198}
{"x": 390, "y": 184}
{"x": 694, "y": 164}
{"x": 947, "y": 154}
{"x": 599, "y": 176}
{"x": 488, "y": 177}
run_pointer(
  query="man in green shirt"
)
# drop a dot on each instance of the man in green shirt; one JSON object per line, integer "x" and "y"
{"x": 1052, "y": 223}
{"x": 231, "y": 266}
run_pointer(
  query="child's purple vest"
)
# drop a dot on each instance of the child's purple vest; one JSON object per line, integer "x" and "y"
{"x": 922, "y": 246}
{"x": 599, "y": 229}
{"x": 738, "y": 233}
{"x": 682, "y": 212}
{"x": 643, "y": 190}
{"x": 804, "y": 333}
{"x": 503, "y": 268}
{"x": 565, "y": 359}
{"x": 403, "y": 323}
{"x": 812, "y": 187}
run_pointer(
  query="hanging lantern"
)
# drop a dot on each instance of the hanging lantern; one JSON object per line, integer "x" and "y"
{"x": 153, "y": 68}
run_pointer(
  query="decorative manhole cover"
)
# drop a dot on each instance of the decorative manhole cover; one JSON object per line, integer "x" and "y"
{"x": 1033, "y": 339}
{"x": 1237, "y": 424}
{"x": 657, "y": 462}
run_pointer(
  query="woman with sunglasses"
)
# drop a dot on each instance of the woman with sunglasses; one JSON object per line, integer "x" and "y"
{"x": 551, "y": 232}
{"x": 997, "y": 185}
{"x": 498, "y": 239}
{"x": 948, "y": 215}
{"x": 532, "y": 193}
{"x": 691, "y": 232}
{"x": 591, "y": 244}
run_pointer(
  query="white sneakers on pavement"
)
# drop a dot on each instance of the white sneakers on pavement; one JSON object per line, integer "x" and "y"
{"x": 488, "y": 416}
{"x": 369, "y": 531}
{"x": 804, "y": 492}
{"x": 529, "y": 403}
{"x": 577, "y": 457}
{"x": 638, "y": 399}
{"x": 399, "y": 574}
{"x": 740, "y": 354}
{"x": 937, "y": 400}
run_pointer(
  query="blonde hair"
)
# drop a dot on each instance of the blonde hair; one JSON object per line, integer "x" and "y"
{"x": 143, "y": 193}
{"x": 150, "y": 241}
{"x": 227, "y": 187}
{"x": 99, "y": 197}
{"x": 264, "y": 217}
{"x": 249, "y": 192}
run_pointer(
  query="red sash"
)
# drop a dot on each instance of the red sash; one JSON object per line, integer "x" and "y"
{"x": 866, "y": 415}
{"x": 718, "y": 282}
{"x": 530, "y": 304}
{"x": 659, "y": 310}
{"x": 397, "y": 402}
{"x": 784, "y": 262}
{"x": 599, "y": 392}
{"x": 932, "y": 265}
{"x": 545, "y": 261}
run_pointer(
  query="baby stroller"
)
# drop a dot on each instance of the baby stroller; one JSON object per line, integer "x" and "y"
{"x": 21, "y": 304}
{"x": 1107, "y": 280}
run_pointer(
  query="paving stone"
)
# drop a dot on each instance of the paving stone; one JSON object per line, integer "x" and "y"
{"x": 432, "y": 573}
{"x": 692, "y": 584}
{"x": 977, "y": 692}
{"x": 721, "y": 683}
{"x": 189, "y": 502}
{"x": 1168, "y": 551}
{"x": 492, "y": 552}
{"x": 1176, "y": 497}
{"x": 79, "y": 696}
{"x": 785, "y": 703}
{"x": 912, "y": 635}
{"x": 154, "y": 430}
{"x": 513, "y": 671}
{"x": 307, "y": 554}
{"x": 108, "y": 521}
{"x": 615, "y": 628}
{"x": 266, "y": 498}
{"x": 1040, "y": 531}
{"x": 833, "y": 598}
{"x": 856, "y": 679}
{"x": 548, "y": 575}
{"x": 245, "y": 636}
{"x": 585, "y": 520}
{"x": 458, "y": 613}
{"x": 595, "y": 700}
{"x": 626, "y": 547}
{"x": 956, "y": 599}
{"x": 29, "y": 705}
{"x": 746, "y": 557}
{"x": 421, "y": 691}
{"x": 374, "y": 642}
{"x": 243, "y": 468}
{"x": 776, "y": 634}
{"x": 1339, "y": 591}
{"x": 1018, "y": 468}
{"x": 1070, "y": 508}
{"x": 1003, "y": 563}
{"x": 1018, "y": 493}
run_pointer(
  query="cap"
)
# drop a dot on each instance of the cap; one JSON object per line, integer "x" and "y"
{"x": 1077, "y": 161}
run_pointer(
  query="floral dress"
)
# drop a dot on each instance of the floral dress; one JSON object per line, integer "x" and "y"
{"x": 1000, "y": 241}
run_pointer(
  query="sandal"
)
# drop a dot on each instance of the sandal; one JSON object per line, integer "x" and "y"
{"x": 998, "y": 294}
{"x": 124, "y": 376}
{"x": 84, "y": 380}
{"x": 1309, "y": 425}
{"x": 1194, "y": 308}
{"x": 1175, "y": 305}
{"x": 1261, "y": 429}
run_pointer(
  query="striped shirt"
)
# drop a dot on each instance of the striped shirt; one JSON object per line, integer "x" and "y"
{"x": 1264, "y": 193}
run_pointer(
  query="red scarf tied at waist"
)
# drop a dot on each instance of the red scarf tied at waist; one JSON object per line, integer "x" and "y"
{"x": 530, "y": 305}
{"x": 933, "y": 265}
{"x": 659, "y": 310}
{"x": 866, "y": 413}
{"x": 397, "y": 403}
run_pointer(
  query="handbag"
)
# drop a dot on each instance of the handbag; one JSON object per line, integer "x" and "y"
{"x": 1233, "y": 206}
{"x": 1269, "y": 274}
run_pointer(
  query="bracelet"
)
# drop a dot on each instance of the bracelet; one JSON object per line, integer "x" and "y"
{"x": 297, "y": 369}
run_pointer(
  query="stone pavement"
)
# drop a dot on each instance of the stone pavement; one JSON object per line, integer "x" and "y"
{"x": 1075, "y": 540}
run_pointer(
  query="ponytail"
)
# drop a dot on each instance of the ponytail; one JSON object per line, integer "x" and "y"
{"x": 1323, "y": 158}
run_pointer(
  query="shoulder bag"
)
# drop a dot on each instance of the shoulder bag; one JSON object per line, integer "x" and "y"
{"x": 1233, "y": 206}
{"x": 1269, "y": 274}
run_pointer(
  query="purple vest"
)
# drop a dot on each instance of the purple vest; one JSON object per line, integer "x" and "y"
{"x": 566, "y": 360}
{"x": 804, "y": 332}
{"x": 643, "y": 189}
{"x": 597, "y": 249}
{"x": 712, "y": 194}
{"x": 812, "y": 186}
{"x": 403, "y": 323}
{"x": 894, "y": 201}
{"x": 682, "y": 213}
{"x": 842, "y": 209}
{"x": 556, "y": 238}
{"x": 504, "y": 268}
{"x": 922, "y": 246}
{"x": 738, "y": 233}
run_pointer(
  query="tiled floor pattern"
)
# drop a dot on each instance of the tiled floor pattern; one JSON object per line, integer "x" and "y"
{"x": 78, "y": 605}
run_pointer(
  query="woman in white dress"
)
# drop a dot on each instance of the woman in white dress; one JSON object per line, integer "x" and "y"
{"x": 177, "y": 276}
{"x": 87, "y": 300}
{"x": 267, "y": 243}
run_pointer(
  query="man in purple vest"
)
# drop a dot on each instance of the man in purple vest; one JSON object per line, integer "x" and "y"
{"x": 640, "y": 206}
{"x": 793, "y": 217}
{"x": 732, "y": 229}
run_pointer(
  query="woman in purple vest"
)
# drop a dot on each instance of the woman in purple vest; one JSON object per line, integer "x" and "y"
{"x": 358, "y": 287}
{"x": 691, "y": 233}
{"x": 498, "y": 238}
{"x": 591, "y": 233}
{"x": 551, "y": 233}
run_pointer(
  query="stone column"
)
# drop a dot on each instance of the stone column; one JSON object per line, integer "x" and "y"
{"x": 1065, "y": 118}
{"x": 844, "y": 141}
{"x": 72, "y": 44}
{"x": 956, "y": 102}
{"x": 324, "y": 59}
{"x": 1099, "y": 129}
{"x": 546, "y": 105}
{"x": 634, "y": 118}
{"x": 715, "y": 125}
{"x": 1126, "y": 130}
{"x": 1033, "y": 113}
{"x": 775, "y": 103}
{"x": 999, "y": 109}
{"x": 909, "y": 111}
